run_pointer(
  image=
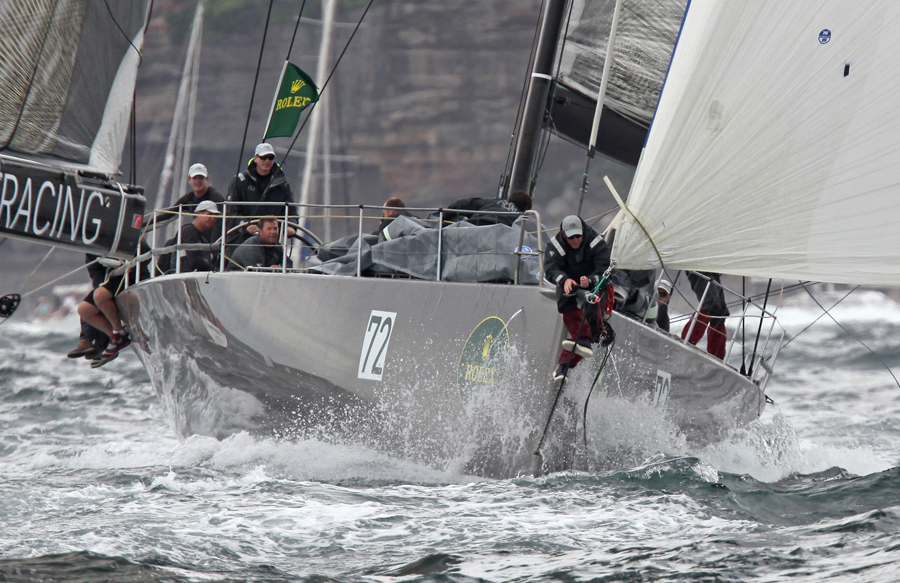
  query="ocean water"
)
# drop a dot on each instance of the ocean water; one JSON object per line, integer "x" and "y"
{"x": 94, "y": 486}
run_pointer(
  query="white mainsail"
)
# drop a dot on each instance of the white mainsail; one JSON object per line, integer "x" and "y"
{"x": 775, "y": 149}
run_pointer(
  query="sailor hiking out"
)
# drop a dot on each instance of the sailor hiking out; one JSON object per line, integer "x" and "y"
{"x": 576, "y": 257}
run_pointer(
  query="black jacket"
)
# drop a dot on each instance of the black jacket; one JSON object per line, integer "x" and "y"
{"x": 196, "y": 260}
{"x": 249, "y": 186}
{"x": 561, "y": 262}
{"x": 662, "y": 317}
{"x": 189, "y": 202}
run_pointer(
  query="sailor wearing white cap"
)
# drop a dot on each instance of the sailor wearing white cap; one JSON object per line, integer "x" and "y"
{"x": 263, "y": 181}
{"x": 198, "y": 179}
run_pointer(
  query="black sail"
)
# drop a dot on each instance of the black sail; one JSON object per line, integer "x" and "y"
{"x": 67, "y": 81}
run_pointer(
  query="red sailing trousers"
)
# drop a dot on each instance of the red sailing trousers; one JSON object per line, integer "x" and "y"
{"x": 715, "y": 336}
{"x": 578, "y": 327}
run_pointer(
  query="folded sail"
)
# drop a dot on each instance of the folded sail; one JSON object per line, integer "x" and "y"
{"x": 67, "y": 78}
{"x": 646, "y": 35}
{"x": 776, "y": 145}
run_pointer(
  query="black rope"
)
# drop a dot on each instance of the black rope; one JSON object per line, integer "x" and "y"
{"x": 584, "y": 183}
{"x": 324, "y": 85}
{"x": 262, "y": 47}
{"x": 875, "y": 354}
{"x": 609, "y": 350}
{"x": 759, "y": 331}
{"x": 559, "y": 391}
{"x": 847, "y": 295}
{"x": 116, "y": 22}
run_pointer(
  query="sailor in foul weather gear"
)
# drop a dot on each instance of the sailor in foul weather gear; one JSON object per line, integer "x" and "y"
{"x": 576, "y": 257}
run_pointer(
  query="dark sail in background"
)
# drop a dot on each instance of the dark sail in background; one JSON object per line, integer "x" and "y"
{"x": 67, "y": 83}
{"x": 646, "y": 36}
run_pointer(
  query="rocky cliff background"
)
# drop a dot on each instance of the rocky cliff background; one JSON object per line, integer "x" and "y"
{"x": 422, "y": 106}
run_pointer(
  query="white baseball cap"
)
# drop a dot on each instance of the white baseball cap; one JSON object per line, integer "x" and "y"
{"x": 208, "y": 206}
{"x": 571, "y": 226}
{"x": 264, "y": 148}
{"x": 197, "y": 170}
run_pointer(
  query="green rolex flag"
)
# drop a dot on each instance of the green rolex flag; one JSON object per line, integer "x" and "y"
{"x": 296, "y": 91}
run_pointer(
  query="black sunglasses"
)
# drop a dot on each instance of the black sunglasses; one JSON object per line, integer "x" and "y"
{"x": 267, "y": 157}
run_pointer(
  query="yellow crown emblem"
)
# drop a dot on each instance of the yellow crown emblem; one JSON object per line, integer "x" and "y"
{"x": 296, "y": 85}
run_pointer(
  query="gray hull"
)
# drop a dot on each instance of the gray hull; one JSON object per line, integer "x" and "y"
{"x": 455, "y": 375}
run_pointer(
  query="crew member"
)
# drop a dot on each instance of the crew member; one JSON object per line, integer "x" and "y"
{"x": 260, "y": 250}
{"x": 712, "y": 313}
{"x": 577, "y": 257}
{"x": 263, "y": 181}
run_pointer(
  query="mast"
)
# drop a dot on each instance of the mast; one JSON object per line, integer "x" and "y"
{"x": 529, "y": 131}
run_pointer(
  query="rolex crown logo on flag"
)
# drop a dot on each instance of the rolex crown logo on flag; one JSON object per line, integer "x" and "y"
{"x": 296, "y": 92}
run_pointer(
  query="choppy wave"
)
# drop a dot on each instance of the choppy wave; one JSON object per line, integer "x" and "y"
{"x": 95, "y": 487}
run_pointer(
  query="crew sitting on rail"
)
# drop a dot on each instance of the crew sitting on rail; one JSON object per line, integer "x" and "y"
{"x": 262, "y": 249}
{"x": 99, "y": 308}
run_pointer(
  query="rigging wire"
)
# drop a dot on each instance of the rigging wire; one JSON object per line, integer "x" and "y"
{"x": 294, "y": 36}
{"x": 133, "y": 172}
{"x": 875, "y": 354}
{"x": 262, "y": 47}
{"x": 324, "y": 85}
{"x": 822, "y": 315}
{"x": 759, "y": 332}
{"x": 744, "y": 326}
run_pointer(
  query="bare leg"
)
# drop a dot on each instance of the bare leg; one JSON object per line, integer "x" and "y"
{"x": 92, "y": 315}
{"x": 107, "y": 304}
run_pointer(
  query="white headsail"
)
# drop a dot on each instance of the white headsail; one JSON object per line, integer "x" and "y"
{"x": 775, "y": 149}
